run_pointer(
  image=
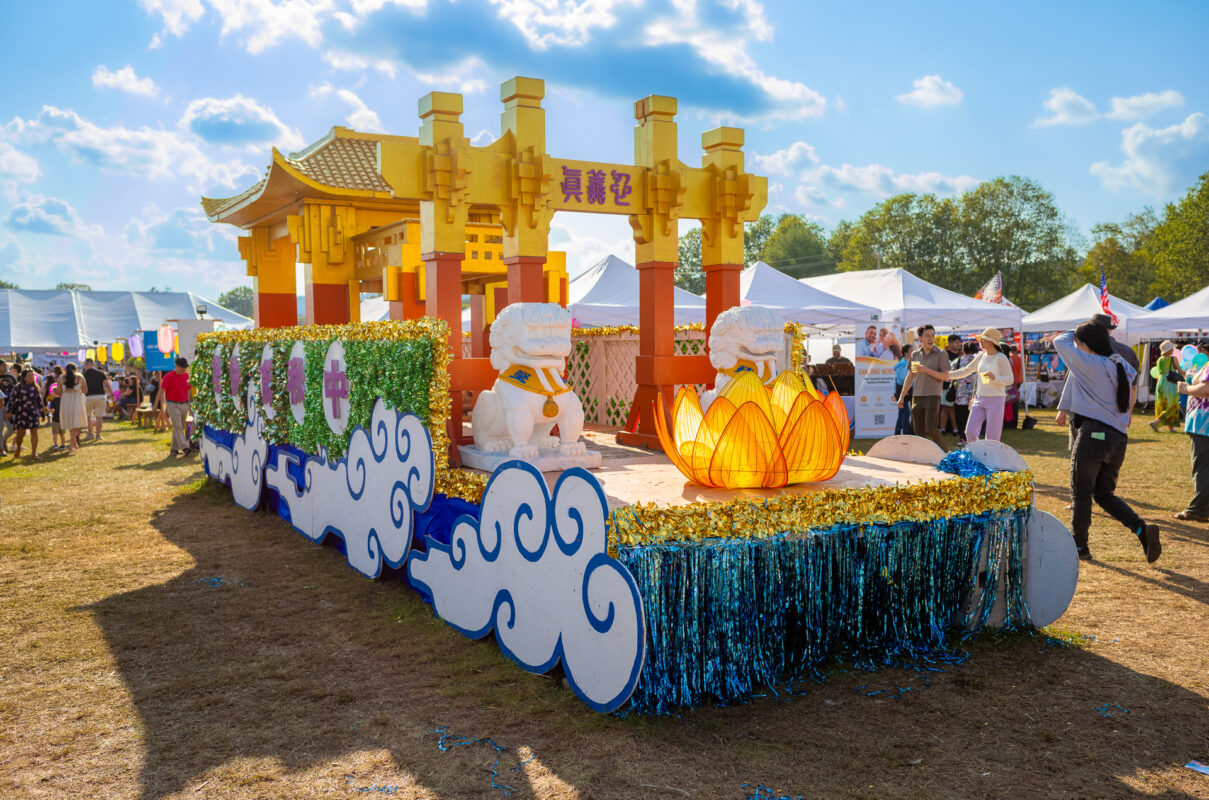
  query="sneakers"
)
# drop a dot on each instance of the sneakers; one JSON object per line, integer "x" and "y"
{"x": 1148, "y": 535}
{"x": 1084, "y": 553}
{"x": 1188, "y": 516}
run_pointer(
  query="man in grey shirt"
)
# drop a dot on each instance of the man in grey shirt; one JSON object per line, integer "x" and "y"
{"x": 929, "y": 370}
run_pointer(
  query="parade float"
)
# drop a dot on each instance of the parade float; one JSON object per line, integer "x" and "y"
{"x": 743, "y": 550}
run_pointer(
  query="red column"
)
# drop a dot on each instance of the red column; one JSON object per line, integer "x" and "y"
{"x": 275, "y": 310}
{"x": 656, "y": 284}
{"x": 409, "y": 305}
{"x": 480, "y": 346}
{"x": 327, "y": 303}
{"x": 525, "y": 283}
{"x": 443, "y": 300}
{"x": 721, "y": 293}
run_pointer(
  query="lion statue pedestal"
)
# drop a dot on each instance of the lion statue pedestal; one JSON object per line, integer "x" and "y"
{"x": 514, "y": 419}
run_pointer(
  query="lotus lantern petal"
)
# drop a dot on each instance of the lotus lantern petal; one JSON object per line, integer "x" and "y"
{"x": 756, "y": 437}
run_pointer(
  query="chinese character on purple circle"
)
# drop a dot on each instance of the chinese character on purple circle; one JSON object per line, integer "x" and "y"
{"x": 295, "y": 380}
{"x": 266, "y": 381}
{"x": 596, "y": 186}
{"x": 621, "y": 187}
{"x": 233, "y": 372}
{"x": 335, "y": 386}
{"x": 216, "y": 372}
{"x": 571, "y": 186}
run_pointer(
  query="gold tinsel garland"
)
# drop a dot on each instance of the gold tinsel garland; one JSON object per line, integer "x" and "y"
{"x": 750, "y": 518}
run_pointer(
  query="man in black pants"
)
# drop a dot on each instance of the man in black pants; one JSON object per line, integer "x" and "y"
{"x": 96, "y": 400}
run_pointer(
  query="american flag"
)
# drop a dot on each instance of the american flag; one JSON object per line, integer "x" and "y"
{"x": 1104, "y": 299}
{"x": 993, "y": 291}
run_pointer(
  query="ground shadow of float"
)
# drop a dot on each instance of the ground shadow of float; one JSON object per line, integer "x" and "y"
{"x": 271, "y": 648}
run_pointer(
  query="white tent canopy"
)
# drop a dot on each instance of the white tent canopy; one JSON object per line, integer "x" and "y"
{"x": 908, "y": 301}
{"x": 763, "y": 285}
{"x": 607, "y": 294}
{"x": 377, "y": 309}
{"x": 1078, "y": 306}
{"x": 1190, "y": 315}
{"x": 68, "y": 320}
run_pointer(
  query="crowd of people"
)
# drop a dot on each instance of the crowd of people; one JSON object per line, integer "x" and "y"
{"x": 74, "y": 403}
{"x": 968, "y": 388}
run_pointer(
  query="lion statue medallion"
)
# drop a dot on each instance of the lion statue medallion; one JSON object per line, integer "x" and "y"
{"x": 744, "y": 339}
{"x": 530, "y": 343}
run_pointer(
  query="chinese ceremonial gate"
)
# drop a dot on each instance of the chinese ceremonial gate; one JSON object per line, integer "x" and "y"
{"x": 354, "y": 189}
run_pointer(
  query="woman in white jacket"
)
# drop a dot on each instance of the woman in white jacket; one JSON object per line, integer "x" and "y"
{"x": 994, "y": 376}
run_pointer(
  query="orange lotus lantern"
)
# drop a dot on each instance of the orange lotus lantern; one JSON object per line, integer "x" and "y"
{"x": 755, "y": 437}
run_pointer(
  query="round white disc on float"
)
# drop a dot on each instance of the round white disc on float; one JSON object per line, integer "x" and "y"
{"x": 996, "y": 456}
{"x": 296, "y": 381}
{"x": 335, "y": 388}
{"x": 1051, "y": 568}
{"x": 910, "y": 449}
{"x": 233, "y": 372}
{"x": 217, "y": 365}
{"x": 265, "y": 383}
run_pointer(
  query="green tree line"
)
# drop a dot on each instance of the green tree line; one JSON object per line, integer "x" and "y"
{"x": 1010, "y": 225}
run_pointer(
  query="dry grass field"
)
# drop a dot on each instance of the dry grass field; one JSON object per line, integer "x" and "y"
{"x": 156, "y": 641}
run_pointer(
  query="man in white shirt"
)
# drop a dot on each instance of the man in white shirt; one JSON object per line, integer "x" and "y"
{"x": 870, "y": 347}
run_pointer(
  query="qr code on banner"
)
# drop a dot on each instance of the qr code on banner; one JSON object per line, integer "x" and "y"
{"x": 879, "y": 419}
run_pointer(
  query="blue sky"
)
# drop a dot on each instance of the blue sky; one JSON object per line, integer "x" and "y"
{"x": 113, "y": 124}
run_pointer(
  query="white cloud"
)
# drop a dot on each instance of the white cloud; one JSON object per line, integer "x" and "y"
{"x": 17, "y": 166}
{"x": 1158, "y": 161}
{"x": 124, "y": 80}
{"x": 178, "y": 16}
{"x": 812, "y": 196}
{"x": 727, "y": 52}
{"x": 563, "y": 22}
{"x": 783, "y": 162}
{"x": 587, "y": 238}
{"x": 931, "y": 91}
{"x": 881, "y": 181}
{"x": 144, "y": 152}
{"x": 239, "y": 121}
{"x": 361, "y": 118}
{"x": 1068, "y": 108}
{"x": 353, "y": 62}
{"x": 467, "y": 77}
{"x": 51, "y": 216}
{"x": 1143, "y": 105}
{"x": 483, "y": 138}
{"x": 184, "y": 232}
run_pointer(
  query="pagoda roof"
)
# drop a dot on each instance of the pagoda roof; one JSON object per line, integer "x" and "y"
{"x": 343, "y": 165}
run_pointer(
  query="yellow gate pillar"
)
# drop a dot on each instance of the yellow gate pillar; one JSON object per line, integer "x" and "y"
{"x": 270, "y": 263}
{"x": 323, "y": 235}
{"x": 656, "y": 237}
{"x": 722, "y": 234}
{"x": 526, "y": 217}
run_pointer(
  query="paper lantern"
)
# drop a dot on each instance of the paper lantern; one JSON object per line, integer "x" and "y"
{"x": 102, "y": 354}
{"x": 90, "y": 354}
{"x": 163, "y": 338}
{"x": 753, "y": 437}
{"x": 81, "y": 355}
{"x": 176, "y": 344}
{"x": 118, "y": 351}
{"x": 136, "y": 345}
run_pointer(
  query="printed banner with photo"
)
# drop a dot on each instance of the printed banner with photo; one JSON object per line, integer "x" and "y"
{"x": 876, "y": 405}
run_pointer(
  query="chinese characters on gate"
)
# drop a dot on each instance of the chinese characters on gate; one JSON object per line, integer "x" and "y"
{"x": 600, "y": 183}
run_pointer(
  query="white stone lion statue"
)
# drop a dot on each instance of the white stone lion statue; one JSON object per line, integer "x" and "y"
{"x": 744, "y": 339}
{"x": 530, "y": 343}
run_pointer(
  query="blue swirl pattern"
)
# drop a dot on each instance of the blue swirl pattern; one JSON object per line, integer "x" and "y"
{"x": 571, "y": 602}
{"x": 368, "y": 498}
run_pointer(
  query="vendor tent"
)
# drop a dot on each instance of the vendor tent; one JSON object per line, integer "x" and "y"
{"x": 1078, "y": 306}
{"x": 907, "y": 301}
{"x": 1190, "y": 316}
{"x": 68, "y": 320}
{"x": 762, "y": 285}
{"x": 377, "y": 309}
{"x": 607, "y": 294}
